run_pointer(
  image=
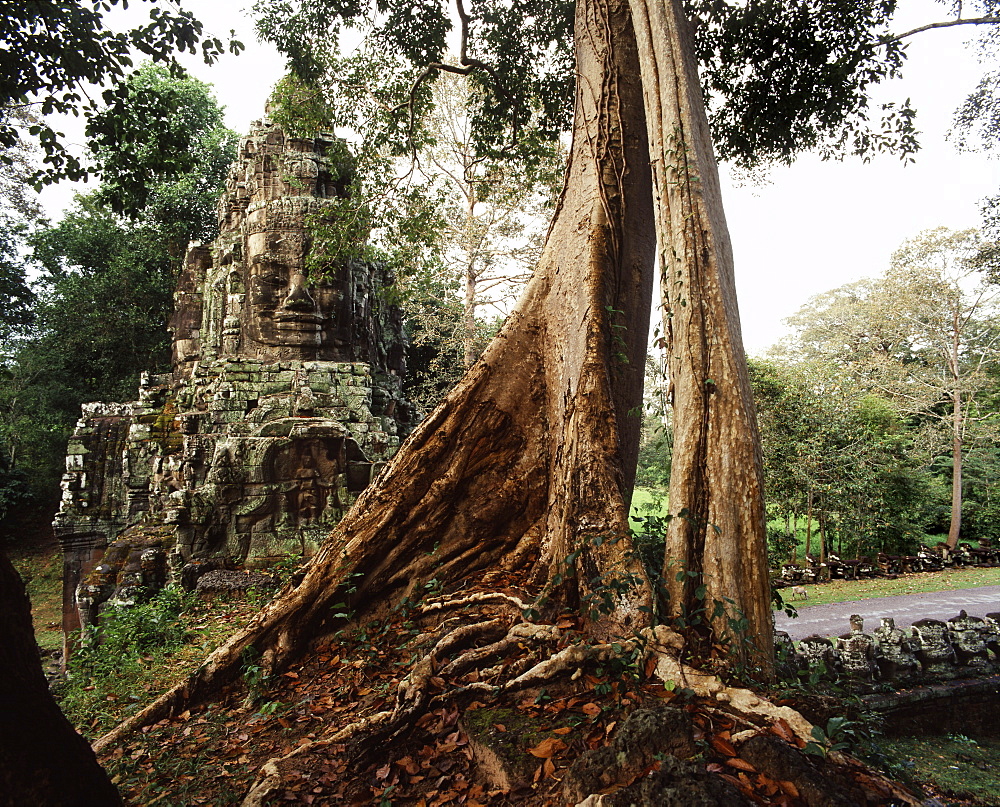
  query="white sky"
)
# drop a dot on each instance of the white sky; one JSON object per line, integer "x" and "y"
{"x": 815, "y": 226}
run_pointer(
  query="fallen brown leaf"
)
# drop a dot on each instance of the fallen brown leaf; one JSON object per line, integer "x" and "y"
{"x": 789, "y": 788}
{"x": 723, "y": 746}
{"x": 781, "y": 728}
{"x": 547, "y": 748}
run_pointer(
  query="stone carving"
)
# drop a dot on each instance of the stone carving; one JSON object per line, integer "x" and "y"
{"x": 927, "y": 559}
{"x": 968, "y": 638}
{"x": 857, "y": 652}
{"x": 933, "y": 647}
{"x": 817, "y": 654}
{"x": 991, "y": 633}
{"x": 893, "y": 654}
{"x": 930, "y": 651}
{"x": 284, "y": 400}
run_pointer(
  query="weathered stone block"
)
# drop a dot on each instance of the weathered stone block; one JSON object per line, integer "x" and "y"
{"x": 243, "y": 449}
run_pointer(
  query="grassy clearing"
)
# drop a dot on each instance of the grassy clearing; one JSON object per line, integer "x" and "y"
{"x": 948, "y": 579}
{"x": 147, "y": 650}
{"x": 957, "y": 769}
{"x": 647, "y": 502}
{"x": 41, "y": 570}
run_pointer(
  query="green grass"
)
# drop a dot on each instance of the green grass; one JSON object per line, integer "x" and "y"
{"x": 41, "y": 572}
{"x": 647, "y": 502}
{"x": 847, "y": 590}
{"x": 954, "y": 767}
{"x": 147, "y": 650}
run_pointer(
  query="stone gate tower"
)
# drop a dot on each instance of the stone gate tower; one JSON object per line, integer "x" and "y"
{"x": 283, "y": 402}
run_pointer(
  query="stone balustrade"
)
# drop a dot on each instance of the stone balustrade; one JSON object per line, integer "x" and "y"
{"x": 930, "y": 650}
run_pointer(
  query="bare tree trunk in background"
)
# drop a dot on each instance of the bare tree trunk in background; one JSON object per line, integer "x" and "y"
{"x": 469, "y": 305}
{"x": 809, "y": 524}
{"x": 957, "y": 427}
{"x": 822, "y": 535}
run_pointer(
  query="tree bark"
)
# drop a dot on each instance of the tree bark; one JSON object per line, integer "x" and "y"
{"x": 43, "y": 761}
{"x": 957, "y": 425}
{"x": 955, "y": 528}
{"x": 717, "y": 538}
{"x": 469, "y": 308}
{"x": 525, "y": 471}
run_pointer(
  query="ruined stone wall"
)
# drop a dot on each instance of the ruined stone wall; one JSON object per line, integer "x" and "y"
{"x": 929, "y": 651}
{"x": 284, "y": 400}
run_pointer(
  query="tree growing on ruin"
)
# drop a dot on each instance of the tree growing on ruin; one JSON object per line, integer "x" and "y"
{"x": 525, "y": 469}
{"x": 524, "y": 472}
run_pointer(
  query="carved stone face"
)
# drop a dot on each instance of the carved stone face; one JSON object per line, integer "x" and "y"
{"x": 283, "y": 311}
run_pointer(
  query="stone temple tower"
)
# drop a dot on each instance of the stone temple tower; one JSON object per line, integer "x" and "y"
{"x": 283, "y": 402}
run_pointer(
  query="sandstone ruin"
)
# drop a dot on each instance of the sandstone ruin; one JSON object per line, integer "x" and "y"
{"x": 283, "y": 402}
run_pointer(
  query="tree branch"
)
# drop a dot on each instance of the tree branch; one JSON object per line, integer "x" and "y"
{"x": 947, "y": 24}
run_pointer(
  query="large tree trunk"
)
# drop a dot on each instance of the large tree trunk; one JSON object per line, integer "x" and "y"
{"x": 525, "y": 471}
{"x": 43, "y": 761}
{"x": 716, "y": 544}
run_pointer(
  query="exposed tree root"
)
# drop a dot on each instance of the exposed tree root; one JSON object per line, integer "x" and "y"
{"x": 570, "y": 659}
{"x": 517, "y": 635}
{"x": 474, "y": 599}
{"x": 414, "y": 695}
{"x": 524, "y": 472}
{"x": 366, "y": 739}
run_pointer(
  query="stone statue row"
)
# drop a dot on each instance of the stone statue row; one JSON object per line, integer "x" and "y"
{"x": 930, "y": 650}
{"x": 927, "y": 559}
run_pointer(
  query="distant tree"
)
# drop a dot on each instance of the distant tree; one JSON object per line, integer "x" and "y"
{"x": 493, "y": 219}
{"x": 434, "y": 328}
{"x": 35, "y": 72}
{"x": 162, "y": 152}
{"x": 19, "y": 212}
{"x": 104, "y": 298}
{"x": 923, "y": 334}
{"x": 656, "y": 438}
{"x": 16, "y": 297}
{"x": 841, "y": 456}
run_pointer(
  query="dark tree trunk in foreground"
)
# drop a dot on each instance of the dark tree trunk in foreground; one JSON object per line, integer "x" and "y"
{"x": 43, "y": 761}
{"x": 524, "y": 473}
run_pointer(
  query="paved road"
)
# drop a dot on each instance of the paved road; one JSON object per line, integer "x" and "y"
{"x": 833, "y": 619}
